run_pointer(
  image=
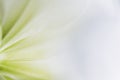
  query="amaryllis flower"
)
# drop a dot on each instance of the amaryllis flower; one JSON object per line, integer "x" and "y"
{"x": 32, "y": 33}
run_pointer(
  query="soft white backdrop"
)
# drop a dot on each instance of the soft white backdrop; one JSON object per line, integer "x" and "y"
{"x": 96, "y": 41}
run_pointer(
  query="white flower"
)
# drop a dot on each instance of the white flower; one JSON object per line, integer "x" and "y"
{"x": 32, "y": 36}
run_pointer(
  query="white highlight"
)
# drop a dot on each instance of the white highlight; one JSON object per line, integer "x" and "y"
{"x": 2, "y": 57}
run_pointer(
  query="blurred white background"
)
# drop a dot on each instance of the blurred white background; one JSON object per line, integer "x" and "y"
{"x": 93, "y": 45}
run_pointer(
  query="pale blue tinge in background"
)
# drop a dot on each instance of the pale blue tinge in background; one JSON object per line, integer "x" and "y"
{"x": 95, "y": 42}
